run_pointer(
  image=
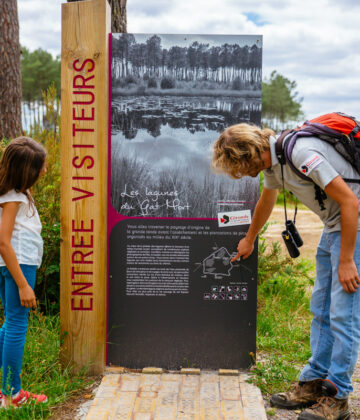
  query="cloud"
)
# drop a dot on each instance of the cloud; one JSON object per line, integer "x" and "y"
{"x": 153, "y": 8}
{"x": 40, "y": 25}
{"x": 314, "y": 43}
{"x": 347, "y": 3}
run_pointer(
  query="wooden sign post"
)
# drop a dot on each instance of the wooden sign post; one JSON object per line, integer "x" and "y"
{"x": 84, "y": 122}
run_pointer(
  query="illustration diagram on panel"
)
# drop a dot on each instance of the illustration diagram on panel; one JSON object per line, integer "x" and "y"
{"x": 218, "y": 263}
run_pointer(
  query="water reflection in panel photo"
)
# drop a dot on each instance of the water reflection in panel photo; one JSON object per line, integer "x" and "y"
{"x": 171, "y": 97}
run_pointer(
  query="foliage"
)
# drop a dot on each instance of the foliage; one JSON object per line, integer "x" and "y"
{"x": 152, "y": 83}
{"x": 283, "y": 324}
{"x": 42, "y": 371}
{"x": 167, "y": 83}
{"x": 291, "y": 200}
{"x": 39, "y": 70}
{"x": 46, "y": 194}
{"x": 47, "y": 199}
{"x": 272, "y": 265}
{"x": 195, "y": 62}
{"x": 130, "y": 79}
{"x": 280, "y": 101}
{"x": 237, "y": 84}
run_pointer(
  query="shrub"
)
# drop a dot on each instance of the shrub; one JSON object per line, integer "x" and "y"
{"x": 140, "y": 90}
{"x": 237, "y": 84}
{"x": 130, "y": 79}
{"x": 46, "y": 194}
{"x": 47, "y": 199}
{"x": 116, "y": 83}
{"x": 167, "y": 83}
{"x": 152, "y": 83}
{"x": 283, "y": 321}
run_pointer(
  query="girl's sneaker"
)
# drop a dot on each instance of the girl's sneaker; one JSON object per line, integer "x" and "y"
{"x": 22, "y": 398}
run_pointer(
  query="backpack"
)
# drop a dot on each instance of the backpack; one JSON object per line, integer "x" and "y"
{"x": 338, "y": 129}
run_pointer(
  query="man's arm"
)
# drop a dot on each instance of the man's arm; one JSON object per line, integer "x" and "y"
{"x": 262, "y": 212}
{"x": 349, "y": 210}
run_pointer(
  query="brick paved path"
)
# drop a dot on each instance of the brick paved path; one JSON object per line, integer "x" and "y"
{"x": 222, "y": 395}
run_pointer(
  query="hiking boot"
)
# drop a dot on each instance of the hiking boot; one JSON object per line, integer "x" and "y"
{"x": 304, "y": 394}
{"x": 327, "y": 408}
{"x": 329, "y": 388}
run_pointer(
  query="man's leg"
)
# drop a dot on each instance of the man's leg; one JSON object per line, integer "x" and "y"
{"x": 309, "y": 389}
{"x": 345, "y": 325}
{"x": 321, "y": 337}
{"x": 345, "y": 328}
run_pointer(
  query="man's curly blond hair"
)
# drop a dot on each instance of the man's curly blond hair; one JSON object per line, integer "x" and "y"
{"x": 237, "y": 151}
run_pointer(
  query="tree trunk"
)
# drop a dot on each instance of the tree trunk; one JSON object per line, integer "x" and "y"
{"x": 10, "y": 73}
{"x": 118, "y": 15}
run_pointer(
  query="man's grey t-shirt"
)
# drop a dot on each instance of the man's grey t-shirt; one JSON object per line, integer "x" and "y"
{"x": 322, "y": 163}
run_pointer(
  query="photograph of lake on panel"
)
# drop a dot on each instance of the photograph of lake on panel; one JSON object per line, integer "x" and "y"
{"x": 171, "y": 97}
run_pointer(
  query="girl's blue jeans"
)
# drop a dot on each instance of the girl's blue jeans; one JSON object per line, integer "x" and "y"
{"x": 335, "y": 328}
{"x": 14, "y": 329}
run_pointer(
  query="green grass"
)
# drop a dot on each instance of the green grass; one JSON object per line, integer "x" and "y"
{"x": 43, "y": 372}
{"x": 283, "y": 324}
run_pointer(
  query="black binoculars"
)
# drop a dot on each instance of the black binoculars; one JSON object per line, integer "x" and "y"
{"x": 292, "y": 239}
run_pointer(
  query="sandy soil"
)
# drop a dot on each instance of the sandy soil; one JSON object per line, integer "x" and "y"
{"x": 308, "y": 224}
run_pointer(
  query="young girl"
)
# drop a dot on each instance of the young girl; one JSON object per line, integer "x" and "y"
{"x": 21, "y": 248}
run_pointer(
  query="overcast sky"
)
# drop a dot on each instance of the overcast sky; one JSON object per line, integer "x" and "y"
{"x": 315, "y": 43}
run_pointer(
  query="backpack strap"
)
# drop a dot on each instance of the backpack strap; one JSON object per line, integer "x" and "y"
{"x": 284, "y": 149}
{"x": 320, "y": 195}
{"x": 279, "y": 150}
{"x": 355, "y": 130}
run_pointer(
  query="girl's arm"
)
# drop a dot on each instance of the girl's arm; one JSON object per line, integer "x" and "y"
{"x": 26, "y": 293}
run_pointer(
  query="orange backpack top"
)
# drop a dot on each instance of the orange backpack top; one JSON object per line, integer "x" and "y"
{"x": 338, "y": 122}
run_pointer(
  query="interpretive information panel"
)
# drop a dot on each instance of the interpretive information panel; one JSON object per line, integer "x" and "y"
{"x": 175, "y": 297}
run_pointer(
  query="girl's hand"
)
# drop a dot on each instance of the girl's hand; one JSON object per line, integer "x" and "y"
{"x": 27, "y": 297}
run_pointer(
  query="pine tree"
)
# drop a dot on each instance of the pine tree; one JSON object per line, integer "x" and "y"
{"x": 280, "y": 102}
{"x": 10, "y": 74}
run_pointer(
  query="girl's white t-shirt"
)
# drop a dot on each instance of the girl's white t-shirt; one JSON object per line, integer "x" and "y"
{"x": 26, "y": 237}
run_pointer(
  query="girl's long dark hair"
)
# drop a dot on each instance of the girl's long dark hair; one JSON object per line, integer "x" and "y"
{"x": 20, "y": 165}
